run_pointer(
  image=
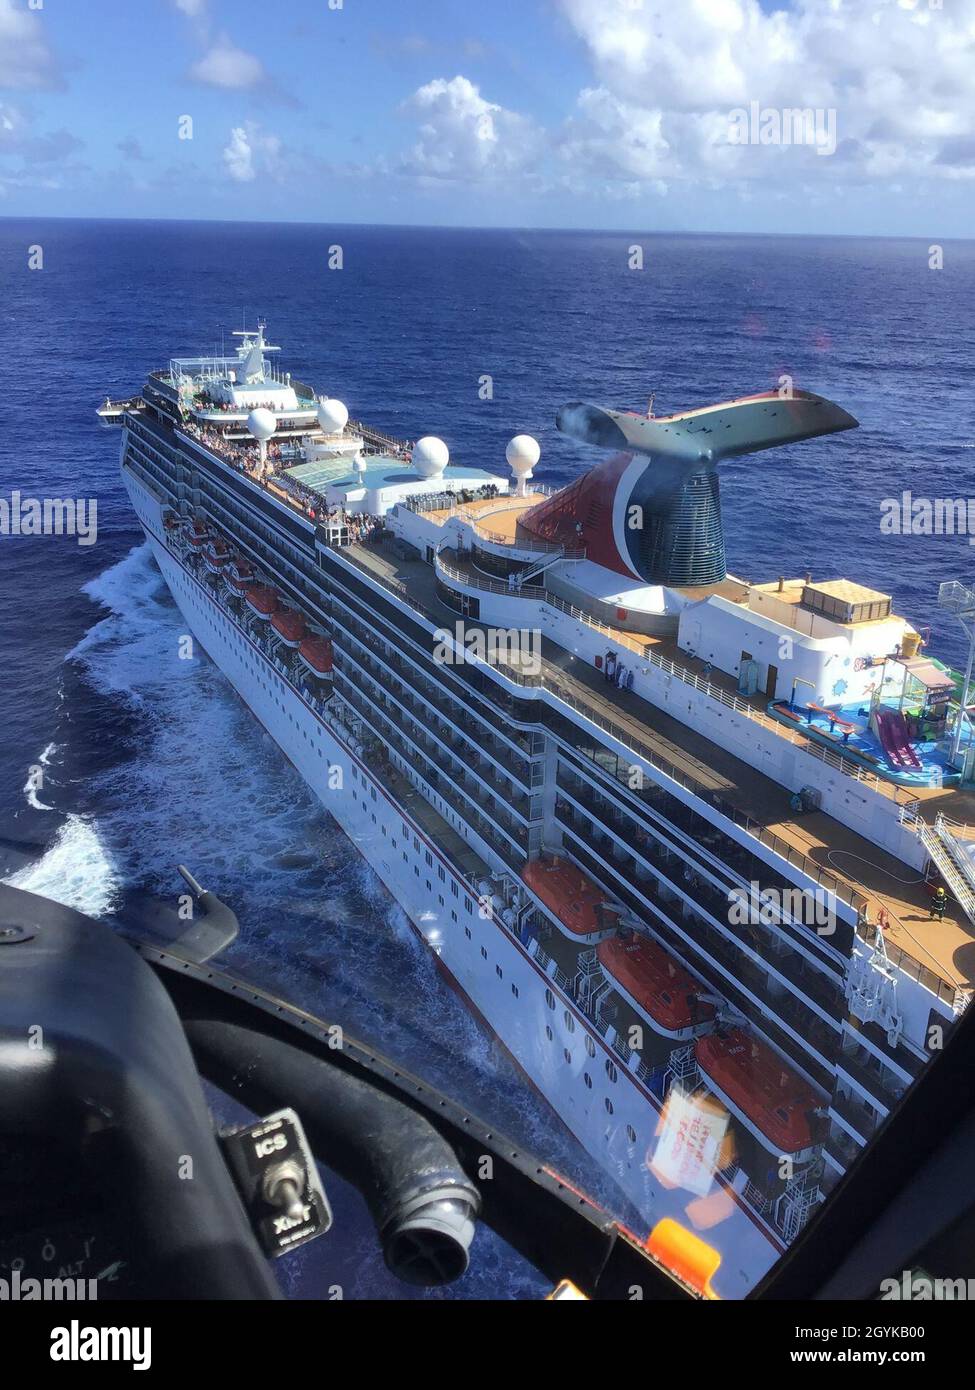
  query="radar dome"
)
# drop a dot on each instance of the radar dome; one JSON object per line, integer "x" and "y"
{"x": 430, "y": 457}
{"x": 332, "y": 416}
{"x": 261, "y": 424}
{"x": 522, "y": 454}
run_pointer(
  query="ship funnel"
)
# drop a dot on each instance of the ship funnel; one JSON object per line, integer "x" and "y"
{"x": 653, "y": 511}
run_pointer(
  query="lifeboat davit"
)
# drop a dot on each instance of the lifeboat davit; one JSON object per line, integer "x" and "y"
{"x": 262, "y": 601}
{"x": 574, "y": 899}
{"x": 316, "y": 654}
{"x": 657, "y": 985}
{"x": 290, "y": 627}
{"x": 197, "y": 533}
{"x": 757, "y": 1085}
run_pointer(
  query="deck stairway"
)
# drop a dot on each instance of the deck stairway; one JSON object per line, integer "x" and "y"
{"x": 944, "y": 850}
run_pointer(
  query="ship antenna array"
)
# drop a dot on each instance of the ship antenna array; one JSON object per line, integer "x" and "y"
{"x": 958, "y": 599}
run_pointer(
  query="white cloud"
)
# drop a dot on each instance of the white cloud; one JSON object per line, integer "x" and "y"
{"x": 229, "y": 67}
{"x": 466, "y": 137}
{"x": 26, "y": 61}
{"x": 899, "y": 74}
{"x": 194, "y": 8}
{"x": 20, "y": 140}
{"x": 250, "y": 152}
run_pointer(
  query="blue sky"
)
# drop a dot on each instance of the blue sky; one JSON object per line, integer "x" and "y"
{"x": 575, "y": 113}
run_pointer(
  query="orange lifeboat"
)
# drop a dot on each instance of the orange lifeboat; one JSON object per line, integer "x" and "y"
{"x": 235, "y": 584}
{"x": 242, "y": 568}
{"x": 262, "y": 601}
{"x": 772, "y": 1100}
{"x": 573, "y": 898}
{"x": 290, "y": 627}
{"x": 656, "y": 984}
{"x": 316, "y": 654}
{"x": 216, "y": 555}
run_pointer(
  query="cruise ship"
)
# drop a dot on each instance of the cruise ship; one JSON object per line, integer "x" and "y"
{"x": 693, "y": 848}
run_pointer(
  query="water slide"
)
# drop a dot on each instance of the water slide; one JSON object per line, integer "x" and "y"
{"x": 892, "y": 732}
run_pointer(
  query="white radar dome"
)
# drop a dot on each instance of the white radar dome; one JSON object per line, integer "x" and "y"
{"x": 430, "y": 456}
{"x": 333, "y": 416}
{"x": 261, "y": 424}
{"x": 522, "y": 454}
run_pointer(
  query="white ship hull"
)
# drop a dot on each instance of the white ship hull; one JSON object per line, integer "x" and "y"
{"x": 502, "y": 982}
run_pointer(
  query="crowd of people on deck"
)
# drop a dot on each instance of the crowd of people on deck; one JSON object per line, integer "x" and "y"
{"x": 245, "y": 459}
{"x": 204, "y": 401}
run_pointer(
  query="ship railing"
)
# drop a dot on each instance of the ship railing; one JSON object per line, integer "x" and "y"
{"x": 400, "y": 447}
{"x": 532, "y": 547}
{"x": 953, "y": 995}
{"x": 683, "y": 673}
{"x": 794, "y": 857}
{"x": 950, "y": 993}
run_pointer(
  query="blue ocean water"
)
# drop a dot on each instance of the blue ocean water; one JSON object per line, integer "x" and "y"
{"x": 148, "y": 761}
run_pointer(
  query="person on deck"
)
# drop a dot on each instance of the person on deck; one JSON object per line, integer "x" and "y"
{"x": 938, "y": 904}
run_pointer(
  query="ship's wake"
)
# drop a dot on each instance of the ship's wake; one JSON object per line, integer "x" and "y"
{"x": 193, "y": 778}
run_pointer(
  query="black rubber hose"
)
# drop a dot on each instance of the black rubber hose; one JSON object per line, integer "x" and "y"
{"x": 423, "y": 1204}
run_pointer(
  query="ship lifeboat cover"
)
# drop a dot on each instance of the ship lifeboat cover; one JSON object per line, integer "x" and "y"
{"x": 762, "y": 1085}
{"x": 289, "y": 624}
{"x": 657, "y": 982}
{"x": 316, "y": 652}
{"x": 567, "y": 892}
{"x": 265, "y": 600}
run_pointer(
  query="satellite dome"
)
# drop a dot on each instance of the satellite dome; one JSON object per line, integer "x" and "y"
{"x": 333, "y": 416}
{"x": 261, "y": 424}
{"x": 522, "y": 454}
{"x": 430, "y": 457}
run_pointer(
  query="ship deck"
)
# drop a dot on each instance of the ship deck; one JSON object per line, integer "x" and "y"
{"x": 945, "y": 948}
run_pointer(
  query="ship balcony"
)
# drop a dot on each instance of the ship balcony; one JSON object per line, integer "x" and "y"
{"x": 756, "y": 938}
{"x": 858, "y": 1117}
{"x": 511, "y": 844}
{"x": 473, "y": 782}
{"x": 381, "y": 667}
{"x": 877, "y": 1080}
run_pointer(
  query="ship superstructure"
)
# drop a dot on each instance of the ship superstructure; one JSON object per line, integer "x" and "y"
{"x": 674, "y": 835}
